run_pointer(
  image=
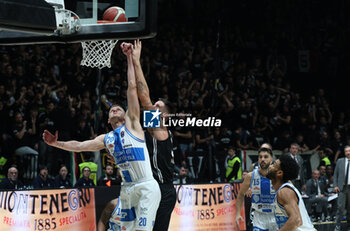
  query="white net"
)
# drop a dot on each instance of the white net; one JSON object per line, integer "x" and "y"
{"x": 97, "y": 53}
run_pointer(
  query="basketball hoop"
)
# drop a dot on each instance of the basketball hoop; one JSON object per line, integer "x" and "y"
{"x": 97, "y": 53}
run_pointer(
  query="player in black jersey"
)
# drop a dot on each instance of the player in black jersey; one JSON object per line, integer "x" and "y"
{"x": 159, "y": 144}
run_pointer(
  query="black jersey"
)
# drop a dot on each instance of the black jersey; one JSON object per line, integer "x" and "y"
{"x": 162, "y": 158}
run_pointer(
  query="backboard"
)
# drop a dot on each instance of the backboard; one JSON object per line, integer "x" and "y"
{"x": 41, "y": 21}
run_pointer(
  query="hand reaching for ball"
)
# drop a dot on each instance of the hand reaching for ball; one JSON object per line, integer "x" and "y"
{"x": 126, "y": 48}
{"x": 136, "y": 51}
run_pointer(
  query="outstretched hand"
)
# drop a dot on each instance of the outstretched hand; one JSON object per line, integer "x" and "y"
{"x": 249, "y": 193}
{"x": 136, "y": 51}
{"x": 126, "y": 48}
{"x": 239, "y": 219}
{"x": 49, "y": 138}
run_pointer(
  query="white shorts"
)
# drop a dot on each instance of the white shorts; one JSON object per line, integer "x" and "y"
{"x": 264, "y": 222}
{"x": 138, "y": 205}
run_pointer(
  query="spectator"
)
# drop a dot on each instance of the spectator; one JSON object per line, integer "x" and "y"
{"x": 183, "y": 135}
{"x": 315, "y": 189}
{"x": 341, "y": 182}
{"x": 85, "y": 181}
{"x": 324, "y": 160}
{"x": 234, "y": 168}
{"x": 183, "y": 177}
{"x": 33, "y": 127}
{"x": 284, "y": 119}
{"x": 337, "y": 146}
{"x": 12, "y": 182}
{"x": 3, "y": 163}
{"x": 324, "y": 143}
{"x": 46, "y": 121}
{"x": 84, "y": 130}
{"x": 62, "y": 180}
{"x": 112, "y": 86}
{"x": 93, "y": 167}
{"x": 299, "y": 182}
{"x": 264, "y": 130}
{"x": 247, "y": 114}
{"x": 109, "y": 178}
{"x": 4, "y": 117}
{"x": 21, "y": 134}
{"x": 322, "y": 170}
{"x": 43, "y": 181}
{"x": 328, "y": 178}
{"x": 339, "y": 124}
{"x": 222, "y": 140}
{"x": 300, "y": 141}
{"x": 24, "y": 144}
{"x": 312, "y": 136}
{"x": 242, "y": 138}
{"x": 203, "y": 138}
{"x": 178, "y": 157}
{"x": 284, "y": 141}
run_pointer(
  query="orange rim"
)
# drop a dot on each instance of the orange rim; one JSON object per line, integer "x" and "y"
{"x": 105, "y": 21}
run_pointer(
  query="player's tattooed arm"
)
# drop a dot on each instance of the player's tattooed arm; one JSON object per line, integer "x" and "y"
{"x": 143, "y": 94}
{"x": 60, "y": 144}
{"x": 73, "y": 145}
{"x": 142, "y": 87}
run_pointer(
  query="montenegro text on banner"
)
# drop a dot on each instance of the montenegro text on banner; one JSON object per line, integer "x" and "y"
{"x": 206, "y": 207}
{"x": 61, "y": 209}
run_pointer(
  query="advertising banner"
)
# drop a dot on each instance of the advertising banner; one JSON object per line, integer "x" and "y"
{"x": 61, "y": 209}
{"x": 206, "y": 207}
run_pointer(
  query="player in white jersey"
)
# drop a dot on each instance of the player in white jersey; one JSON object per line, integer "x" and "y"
{"x": 262, "y": 194}
{"x": 110, "y": 217}
{"x": 290, "y": 211}
{"x": 140, "y": 193}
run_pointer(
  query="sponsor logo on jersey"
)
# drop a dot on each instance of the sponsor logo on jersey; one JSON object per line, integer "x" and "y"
{"x": 256, "y": 198}
{"x": 143, "y": 211}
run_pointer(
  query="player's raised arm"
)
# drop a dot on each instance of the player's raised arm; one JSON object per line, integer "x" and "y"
{"x": 143, "y": 91}
{"x": 142, "y": 87}
{"x": 133, "y": 112}
{"x": 73, "y": 145}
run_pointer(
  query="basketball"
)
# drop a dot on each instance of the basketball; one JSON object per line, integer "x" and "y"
{"x": 115, "y": 14}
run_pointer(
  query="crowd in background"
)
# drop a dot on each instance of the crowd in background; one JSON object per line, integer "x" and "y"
{"x": 239, "y": 65}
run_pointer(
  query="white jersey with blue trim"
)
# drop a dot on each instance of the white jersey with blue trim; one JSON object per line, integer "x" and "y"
{"x": 130, "y": 154}
{"x": 262, "y": 193}
{"x": 282, "y": 217}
